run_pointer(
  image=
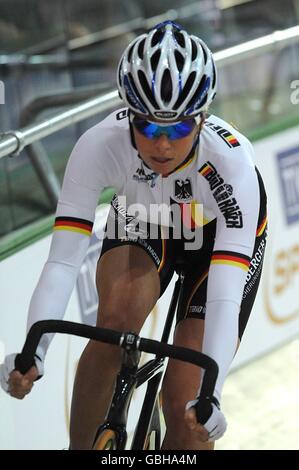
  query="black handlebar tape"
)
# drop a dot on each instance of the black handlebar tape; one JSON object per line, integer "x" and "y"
{"x": 25, "y": 360}
{"x": 204, "y": 409}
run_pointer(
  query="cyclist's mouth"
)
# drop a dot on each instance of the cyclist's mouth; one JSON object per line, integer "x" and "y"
{"x": 161, "y": 160}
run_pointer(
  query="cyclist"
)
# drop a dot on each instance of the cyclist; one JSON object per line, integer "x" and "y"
{"x": 162, "y": 149}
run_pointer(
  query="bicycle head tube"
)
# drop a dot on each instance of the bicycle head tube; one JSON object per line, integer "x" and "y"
{"x": 130, "y": 342}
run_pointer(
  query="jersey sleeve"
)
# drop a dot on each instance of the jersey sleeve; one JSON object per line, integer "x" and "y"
{"x": 235, "y": 197}
{"x": 91, "y": 167}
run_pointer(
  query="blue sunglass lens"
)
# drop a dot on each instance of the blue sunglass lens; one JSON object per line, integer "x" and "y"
{"x": 152, "y": 130}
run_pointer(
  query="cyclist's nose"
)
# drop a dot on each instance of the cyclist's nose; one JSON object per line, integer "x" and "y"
{"x": 162, "y": 143}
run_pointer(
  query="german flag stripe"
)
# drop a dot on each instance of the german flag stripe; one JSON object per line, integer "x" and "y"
{"x": 73, "y": 229}
{"x": 231, "y": 263}
{"x": 205, "y": 170}
{"x": 74, "y": 219}
{"x": 230, "y": 258}
{"x": 261, "y": 227}
{"x": 231, "y": 139}
{"x": 73, "y": 224}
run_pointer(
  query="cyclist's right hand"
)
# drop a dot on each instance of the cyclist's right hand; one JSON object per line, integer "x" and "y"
{"x": 13, "y": 382}
{"x": 213, "y": 428}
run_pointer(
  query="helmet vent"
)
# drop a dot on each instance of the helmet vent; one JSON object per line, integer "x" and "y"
{"x": 197, "y": 94}
{"x": 180, "y": 39}
{"x": 140, "y": 50}
{"x": 155, "y": 59}
{"x": 119, "y": 72}
{"x": 179, "y": 60}
{"x": 137, "y": 94}
{"x": 130, "y": 53}
{"x": 157, "y": 37}
{"x": 186, "y": 90}
{"x": 128, "y": 98}
{"x": 146, "y": 89}
{"x": 214, "y": 75}
{"x": 166, "y": 86}
{"x": 204, "y": 54}
{"x": 194, "y": 50}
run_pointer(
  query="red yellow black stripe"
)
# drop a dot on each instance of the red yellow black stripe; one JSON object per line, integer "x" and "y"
{"x": 205, "y": 170}
{"x": 262, "y": 226}
{"x": 231, "y": 258}
{"x": 73, "y": 224}
{"x": 232, "y": 140}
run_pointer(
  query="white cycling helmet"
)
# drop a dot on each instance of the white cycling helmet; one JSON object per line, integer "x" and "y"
{"x": 167, "y": 74}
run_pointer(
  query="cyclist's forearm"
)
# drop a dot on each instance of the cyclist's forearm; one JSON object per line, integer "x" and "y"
{"x": 57, "y": 280}
{"x": 224, "y": 297}
{"x": 50, "y": 298}
{"x": 221, "y": 337}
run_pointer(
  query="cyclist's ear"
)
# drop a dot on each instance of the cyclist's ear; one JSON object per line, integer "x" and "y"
{"x": 203, "y": 116}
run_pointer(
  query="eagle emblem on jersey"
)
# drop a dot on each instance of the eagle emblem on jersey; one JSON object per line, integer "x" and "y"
{"x": 183, "y": 189}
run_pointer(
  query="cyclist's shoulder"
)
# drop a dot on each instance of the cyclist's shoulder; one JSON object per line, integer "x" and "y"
{"x": 225, "y": 152}
{"x": 225, "y": 140}
{"x": 106, "y": 142}
{"x": 112, "y": 129}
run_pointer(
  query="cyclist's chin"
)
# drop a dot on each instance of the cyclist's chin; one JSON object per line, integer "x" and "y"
{"x": 162, "y": 165}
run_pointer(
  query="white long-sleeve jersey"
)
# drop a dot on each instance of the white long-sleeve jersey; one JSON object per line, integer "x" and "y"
{"x": 221, "y": 176}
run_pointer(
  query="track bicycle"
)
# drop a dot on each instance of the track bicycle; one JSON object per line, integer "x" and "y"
{"x": 112, "y": 434}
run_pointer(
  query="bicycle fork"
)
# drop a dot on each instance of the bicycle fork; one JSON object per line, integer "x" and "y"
{"x": 126, "y": 381}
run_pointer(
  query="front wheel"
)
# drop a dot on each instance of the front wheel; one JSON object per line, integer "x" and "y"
{"x": 106, "y": 440}
{"x": 153, "y": 440}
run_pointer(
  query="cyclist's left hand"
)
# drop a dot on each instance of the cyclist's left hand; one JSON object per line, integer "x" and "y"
{"x": 212, "y": 430}
{"x": 13, "y": 382}
{"x": 192, "y": 423}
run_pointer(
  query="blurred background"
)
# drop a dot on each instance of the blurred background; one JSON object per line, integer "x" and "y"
{"x": 56, "y": 55}
{"x": 62, "y": 46}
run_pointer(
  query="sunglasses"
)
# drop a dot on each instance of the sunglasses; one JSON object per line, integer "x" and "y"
{"x": 153, "y": 130}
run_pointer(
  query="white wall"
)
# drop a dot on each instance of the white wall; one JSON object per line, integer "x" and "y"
{"x": 275, "y": 317}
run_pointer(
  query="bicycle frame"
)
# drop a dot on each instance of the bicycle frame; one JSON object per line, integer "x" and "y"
{"x": 131, "y": 377}
{"x": 156, "y": 366}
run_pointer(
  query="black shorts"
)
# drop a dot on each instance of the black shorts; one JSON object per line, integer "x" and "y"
{"x": 166, "y": 252}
